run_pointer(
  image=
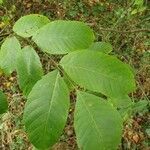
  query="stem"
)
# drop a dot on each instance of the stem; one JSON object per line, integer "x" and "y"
{"x": 57, "y": 66}
{"x": 6, "y": 34}
{"x": 62, "y": 71}
{"x": 129, "y": 31}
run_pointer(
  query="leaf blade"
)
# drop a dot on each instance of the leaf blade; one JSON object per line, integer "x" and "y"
{"x": 101, "y": 47}
{"x": 99, "y": 72}
{"x": 93, "y": 117}
{"x": 8, "y": 54}
{"x": 61, "y": 37}
{"x": 46, "y": 110}
{"x": 28, "y": 25}
{"x": 123, "y": 104}
{"x": 29, "y": 69}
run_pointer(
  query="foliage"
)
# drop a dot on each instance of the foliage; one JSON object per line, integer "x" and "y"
{"x": 61, "y": 37}
{"x": 86, "y": 65}
{"x": 103, "y": 46}
{"x": 95, "y": 115}
{"x": 1, "y": 2}
{"x": 28, "y": 25}
{"x": 29, "y": 69}
{"x": 3, "y": 103}
{"x": 8, "y": 54}
{"x": 50, "y": 100}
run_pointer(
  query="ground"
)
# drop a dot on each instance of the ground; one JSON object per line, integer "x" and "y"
{"x": 124, "y": 24}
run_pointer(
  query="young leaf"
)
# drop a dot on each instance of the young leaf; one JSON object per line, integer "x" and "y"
{"x": 28, "y": 25}
{"x": 3, "y": 103}
{"x": 97, "y": 124}
{"x": 61, "y": 37}
{"x": 101, "y": 47}
{"x": 99, "y": 72}
{"x": 46, "y": 110}
{"x": 8, "y": 54}
{"x": 29, "y": 69}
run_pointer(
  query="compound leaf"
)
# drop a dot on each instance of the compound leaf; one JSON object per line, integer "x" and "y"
{"x": 28, "y": 25}
{"x": 99, "y": 72}
{"x": 8, "y": 54}
{"x": 97, "y": 124}
{"x": 46, "y": 110}
{"x": 3, "y": 103}
{"x": 61, "y": 37}
{"x": 29, "y": 69}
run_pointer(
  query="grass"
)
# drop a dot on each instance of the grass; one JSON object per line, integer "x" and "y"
{"x": 124, "y": 24}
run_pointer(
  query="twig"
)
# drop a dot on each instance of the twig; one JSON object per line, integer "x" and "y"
{"x": 129, "y": 31}
{"x": 6, "y": 34}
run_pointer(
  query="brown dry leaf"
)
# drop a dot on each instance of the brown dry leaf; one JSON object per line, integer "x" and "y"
{"x": 29, "y": 5}
{"x": 136, "y": 138}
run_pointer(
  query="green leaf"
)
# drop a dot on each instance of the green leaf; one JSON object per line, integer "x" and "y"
{"x": 97, "y": 124}
{"x": 148, "y": 131}
{"x": 8, "y": 54}
{"x": 140, "y": 106}
{"x": 124, "y": 105}
{"x": 101, "y": 47}
{"x": 138, "y": 2}
{"x": 46, "y": 110}
{"x": 29, "y": 69}
{"x": 28, "y": 25}
{"x": 122, "y": 101}
{"x": 99, "y": 72}
{"x": 3, "y": 103}
{"x": 61, "y": 37}
{"x": 1, "y": 2}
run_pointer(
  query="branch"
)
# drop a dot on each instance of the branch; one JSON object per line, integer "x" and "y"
{"x": 128, "y": 31}
{"x": 62, "y": 71}
{"x": 6, "y": 34}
